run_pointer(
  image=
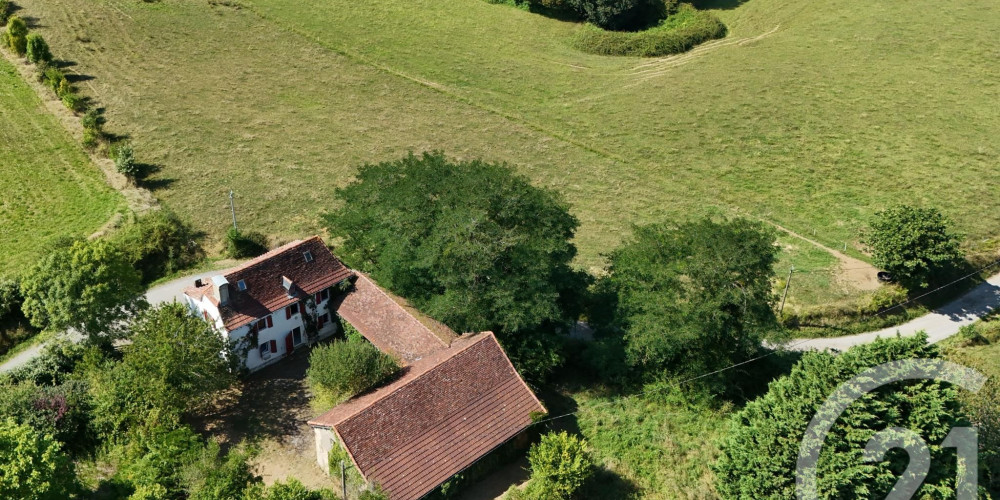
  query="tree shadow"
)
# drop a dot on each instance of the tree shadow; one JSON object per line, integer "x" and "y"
{"x": 605, "y": 483}
{"x": 717, "y": 4}
{"x": 31, "y": 21}
{"x": 77, "y": 78}
{"x": 62, "y": 63}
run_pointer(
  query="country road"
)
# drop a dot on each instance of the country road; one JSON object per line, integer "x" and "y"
{"x": 939, "y": 324}
{"x": 167, "y": 292}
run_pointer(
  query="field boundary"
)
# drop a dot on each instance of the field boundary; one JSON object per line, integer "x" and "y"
{"x": 139, "y": 199}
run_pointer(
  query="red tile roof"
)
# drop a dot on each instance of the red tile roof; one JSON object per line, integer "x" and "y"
{"x": 448, "y": 409}
{"x": 263, "y": 278}
{"x": 385, "y": 322}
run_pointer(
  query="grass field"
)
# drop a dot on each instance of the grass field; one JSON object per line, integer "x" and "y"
{"x": 809, "y": 115}
{"x": 50, "y": 188}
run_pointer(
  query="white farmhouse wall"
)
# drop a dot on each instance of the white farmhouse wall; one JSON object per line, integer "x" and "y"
{"x": 325, "y": 441}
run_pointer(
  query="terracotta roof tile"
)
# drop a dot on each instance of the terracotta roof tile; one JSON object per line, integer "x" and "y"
{"x": 263, "y": 278}
{"x": 448, "y": 410}
{"x": 391, "y": 326}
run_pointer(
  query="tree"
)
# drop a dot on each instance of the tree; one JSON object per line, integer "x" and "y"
{"x": 560, "y": 464}
{"x": 291, "y": 490}
{"x": 344, "y": 368}
{"x": 34, "y": 468}
{"x": 240, "y": 245}
{"x": 759, "y": 453}
{"x": 913, "y": 244}
{"x": 694, "y": 297}
{"x": 38, "y": 50}
{"x": 125, "y": 163}
{"x": 174, "y": 364}
{"x": 88, "y": 285}
{"x": 16, "y": 35}
{"x": 471, "y": 243}
{"x": 621, "y": 15}
{"x": 158, "y": 243}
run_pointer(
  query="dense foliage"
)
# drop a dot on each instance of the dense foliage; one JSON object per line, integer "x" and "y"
{"x": 157, "y": 244}
{"x": 37, "y": 49}
{"x": 679, "y": 32}
{"x": 560, "y": 465}
{"x": 760, "y": 452}
{"x": 694, "y": 297}
{"x": 244, "y": 245}
{"x": 87, "y": 285}
{"x": 471, "y": 243}
{"x": 174, "y": 362}
{"x": 33, "y": 466}
{"x": 4, "y": 11}
{"x": 344, "y": 368}
{"x": 16, "y": 36}
{"x": 913, "y": 244}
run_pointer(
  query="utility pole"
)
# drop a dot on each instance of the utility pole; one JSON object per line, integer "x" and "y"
{"x": 343, "y": 478}
{"x": 785, "y": 294}
{"x": 232, "y": 208}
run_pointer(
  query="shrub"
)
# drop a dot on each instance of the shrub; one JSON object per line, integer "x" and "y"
{"x": 622, "y": 14}
{"x": 33, "y": 465}
{"x": 38, "y": 50}
{"x": 73, "y": 101}
{"x": 678, "y": 33}
{"x": 91, "y": 138}
{"x": 158, "y": 243}
{"x": 54, "y": 78}
{"x": 344, "y": 368}
{"x": 16, "y": 35}
{"x": 125, "y": 163}
{"x": 560, "y": 464}
{"x": 4, "y": 7}
{"x": 883, "y": 298}
{"x": 59, "y": 411}
{"x": 10, "y": 297}
{"x": 241, "y": 245}
{"x": 913, "y": 244}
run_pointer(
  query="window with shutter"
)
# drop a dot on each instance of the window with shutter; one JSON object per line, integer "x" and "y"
{"x": 270, "y": 322}
{"x": 274, "y": 346}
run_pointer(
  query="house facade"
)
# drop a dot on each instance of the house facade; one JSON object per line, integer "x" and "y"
{"x": 273, "y": 304}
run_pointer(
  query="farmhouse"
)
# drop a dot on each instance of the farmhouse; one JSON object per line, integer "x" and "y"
{"x": 458, "y": 397}
{"x": 274, "y": 302}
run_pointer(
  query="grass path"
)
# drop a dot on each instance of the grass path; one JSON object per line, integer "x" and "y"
{"x": 50, "y": 188}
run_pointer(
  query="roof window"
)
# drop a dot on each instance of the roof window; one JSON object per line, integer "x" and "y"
{"x": 308, "y": 256}
{"x": 242, "y": 285}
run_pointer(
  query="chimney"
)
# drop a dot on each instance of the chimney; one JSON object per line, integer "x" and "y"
{"x": 288, "y": 285}
{"x": 221, "y": 289}
{"x": 198, "y": 283}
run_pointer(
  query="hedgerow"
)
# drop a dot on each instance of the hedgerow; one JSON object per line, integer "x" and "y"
{"x": 678, "y": 33}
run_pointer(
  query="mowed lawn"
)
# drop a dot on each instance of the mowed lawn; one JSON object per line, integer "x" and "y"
{"x": 811, "y": 115}
{"x": 49, "y": 187}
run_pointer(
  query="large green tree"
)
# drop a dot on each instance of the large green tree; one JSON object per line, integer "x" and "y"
{"x": 760, "y": 453}
{"x": 471, "y": 243}
{"x": 174, "y": 363}
{"x": 87, "y": 285}
{"x": 913, "y": 244}
{"x": 32, "y": 466}
{"x": 693, "y": 297}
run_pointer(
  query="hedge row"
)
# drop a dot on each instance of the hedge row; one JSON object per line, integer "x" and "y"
{"x": 678, "y": 33}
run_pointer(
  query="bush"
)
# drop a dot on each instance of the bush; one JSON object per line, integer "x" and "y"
{"x": 4, "y": 7}
{"x": 158, "y": 243}
{"x": 560, "y": 464}
{"x": 241, "y": 245}
{"x": 125, "y": 163}
{"x": 622, "y": 14}
{"x": 37, "y": 50}
{"x": 345, "y": 368}
{"x": 678, "y": 33}
{"x": 33, "y": 465}
{"x": 59, "y": 411}
{"x": 913, "y": 244}
{"x": 10, "y": 297}
{"x": 882, "y": 299}
{"x": 54, "y": 78}
{"x": 16, "y": 35}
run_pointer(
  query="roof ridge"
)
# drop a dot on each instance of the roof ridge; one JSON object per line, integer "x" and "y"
{"x": 407, "y": 313}
{"x": 450, "y": 356}
{"x": 268, "y": 255}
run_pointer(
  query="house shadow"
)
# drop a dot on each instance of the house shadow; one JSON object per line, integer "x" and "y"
{"x": 270, "y": 403}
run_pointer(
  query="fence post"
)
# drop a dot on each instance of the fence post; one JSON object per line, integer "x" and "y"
{"x": 785, "y": 293}
{"x": 343, "y": 478}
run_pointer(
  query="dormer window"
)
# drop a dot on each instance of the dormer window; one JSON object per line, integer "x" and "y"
{"x": 308, "y": 256}
{"x": 242, "y": 285}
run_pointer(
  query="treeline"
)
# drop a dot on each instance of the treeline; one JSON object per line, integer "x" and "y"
{"x": 33, "y": 47}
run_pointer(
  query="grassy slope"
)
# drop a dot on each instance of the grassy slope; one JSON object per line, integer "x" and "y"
{"x": 846, "y": 107}
{"x": 50, "y": 188}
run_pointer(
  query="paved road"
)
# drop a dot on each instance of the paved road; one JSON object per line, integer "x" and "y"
{"x": 939, "y": 324}
{"x": 167, "y": 292}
